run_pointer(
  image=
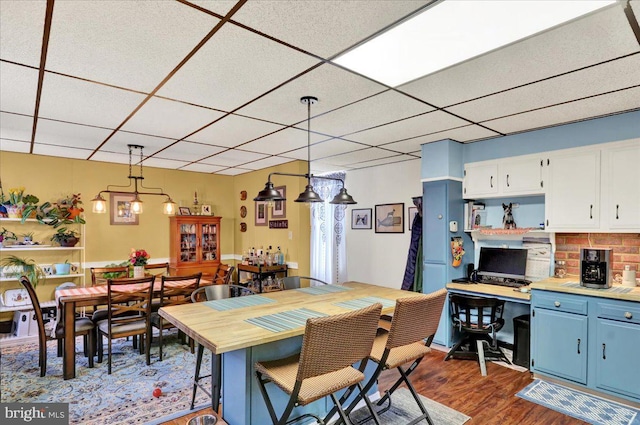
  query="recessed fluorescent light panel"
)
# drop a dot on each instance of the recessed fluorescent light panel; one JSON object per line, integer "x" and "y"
{"x": 453, "y": 31}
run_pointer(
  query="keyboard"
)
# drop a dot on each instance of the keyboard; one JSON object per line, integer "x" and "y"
{"x": 509, "y": 283}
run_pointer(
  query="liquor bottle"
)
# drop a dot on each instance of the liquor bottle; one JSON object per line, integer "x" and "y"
{"x": 280, "y": 257}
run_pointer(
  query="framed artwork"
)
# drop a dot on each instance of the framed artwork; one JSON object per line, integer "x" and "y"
{"x": 390, "y": 218}
{"x": 279, "y": 209}
{"x": 261, "y": 213}
{"x": 361, "y": 218}
{"x": 206, "y": 210}
{"x": 413, "y": 211}
{"x": 184, "y": 211}
{"x": 121, "y": 212}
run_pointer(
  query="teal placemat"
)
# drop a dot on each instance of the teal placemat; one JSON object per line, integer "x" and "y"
{"x": 238, "y": 302}
{"x": 365, "y": 302}
{"x": 286, "y": 320}
{"x": 324, "y": 289}
{"x": 613, "y": 289}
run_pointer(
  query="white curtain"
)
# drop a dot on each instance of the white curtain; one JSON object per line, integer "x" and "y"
{"x": 328, "y": 245}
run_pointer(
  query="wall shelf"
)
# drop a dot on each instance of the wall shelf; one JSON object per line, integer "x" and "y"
{"x": 516, "y": 235}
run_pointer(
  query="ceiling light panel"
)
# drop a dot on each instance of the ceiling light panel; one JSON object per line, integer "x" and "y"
{"x": 234, "y": 67}
{"x": 462, "y": 134}
{"x": 187, "y": 151}
{"x": 132, "y": 44}
{"x": 430, "y": 122}
{"x": 18, "y": 87}
{"x": 578, "y": 110}
{"x": 324, "y": 149}
{"x": 14, "y": 146}
{"x": 121, "y": 139}
{"x": 232, "y": 158}
{"x": 233, "y": 130}
{"x": 586, "y": 41}
{"x": 333, "y": 86}
{"x": 70, "y": 135}
{"x": 202, "y": 168}
{"x": 272, "y": 161}
{"x": 164, "y": 163}
{"x": 73, "y": 100}
{"x": 377, "y": 110}
{"x": 607, "y": 77}
{"x": 170, "y": 118}
{"x": 283, "y": 141}
{"x": 21, "y": 26}
{"x": 60, "y": 151}
{"x": 16, "y": 127}
{"x": 429, "y": 42}
{"x": 323, "y": 28}
{"x": 234, "y": 171}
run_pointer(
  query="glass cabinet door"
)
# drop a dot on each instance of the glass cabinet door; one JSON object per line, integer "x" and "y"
{"x": 188, "y": 243}
{"x": 209, "y": 234}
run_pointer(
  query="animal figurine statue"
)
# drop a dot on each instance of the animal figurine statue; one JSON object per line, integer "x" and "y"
{"x": 507, "y": 219}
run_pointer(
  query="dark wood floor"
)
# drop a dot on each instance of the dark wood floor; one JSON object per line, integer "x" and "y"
{"x": 459, "y": 385}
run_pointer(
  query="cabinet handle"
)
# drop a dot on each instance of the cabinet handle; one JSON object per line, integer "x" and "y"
{"x": 507, "y": 180}
{"x": 591, "y": 211}
{"x": 628, "y": 315}
{"x": 557, "y": 304}
{"x": 617, "y": 206}
{"x": 491, "y": 181}
{"x": 578, "y": 345}
{"x": 604, "y": 355}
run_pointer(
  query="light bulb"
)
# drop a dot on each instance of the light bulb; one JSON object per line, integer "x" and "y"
{"x": 136, "y": 205}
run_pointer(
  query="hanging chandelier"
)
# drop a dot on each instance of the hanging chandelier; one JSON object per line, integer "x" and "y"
{"x": 99, "y": 204}
{"x": 270, "y": 194}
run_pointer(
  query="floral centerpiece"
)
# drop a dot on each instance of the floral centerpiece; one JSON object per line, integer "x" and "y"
{"x": 138, "y": 259}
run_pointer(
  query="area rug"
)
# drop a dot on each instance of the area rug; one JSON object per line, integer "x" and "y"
{"x": 94, "y": 397}
{"x": 589, "y": 408}
{"x": 404, "y": 409}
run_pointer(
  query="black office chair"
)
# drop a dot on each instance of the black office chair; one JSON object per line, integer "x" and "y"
{"x": 478, "y": 320}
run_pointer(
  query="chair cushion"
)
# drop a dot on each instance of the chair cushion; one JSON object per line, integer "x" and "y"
{"x": 398, "y": 355}
{"x": 155, "y": 321}
{"x": 83, "y": 325}
{"x": 122, "y": 328}
{"x": 283, "y": 373}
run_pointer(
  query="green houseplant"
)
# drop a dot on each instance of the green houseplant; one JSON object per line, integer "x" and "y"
{"x": 23, "y": 266}
{"x": 65, "y": 237}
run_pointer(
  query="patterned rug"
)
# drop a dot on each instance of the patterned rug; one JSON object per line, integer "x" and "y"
{"x": 94, "y": 397}
{"x": 587, "y": 407}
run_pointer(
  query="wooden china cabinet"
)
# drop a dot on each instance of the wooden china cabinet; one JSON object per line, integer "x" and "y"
{"x": 194, "y": 244}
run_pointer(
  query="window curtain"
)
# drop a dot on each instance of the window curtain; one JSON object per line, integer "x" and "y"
{"x": 328, "y": 245}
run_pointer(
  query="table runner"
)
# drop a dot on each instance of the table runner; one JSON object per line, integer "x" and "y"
{"x": 286, "y": 320}
{"x": 325, "y": 289}
{"x": 365, "y": 302}
{"x": 238, "y": 302}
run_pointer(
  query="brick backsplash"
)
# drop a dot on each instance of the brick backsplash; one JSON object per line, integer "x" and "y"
{"x": 626, "y": 249}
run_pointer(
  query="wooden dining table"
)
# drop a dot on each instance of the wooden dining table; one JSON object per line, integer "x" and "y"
{"x": 240, "y": 331}
{"x": 68, "y": 300}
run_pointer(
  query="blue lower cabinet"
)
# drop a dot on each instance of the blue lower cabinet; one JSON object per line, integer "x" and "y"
{"x": 618, "y": 345}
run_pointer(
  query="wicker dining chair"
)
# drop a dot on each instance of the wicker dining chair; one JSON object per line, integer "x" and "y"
{"x": 330, "y": 346}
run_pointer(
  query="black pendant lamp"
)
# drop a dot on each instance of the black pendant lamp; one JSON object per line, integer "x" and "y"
{"x": 309, "y": 195}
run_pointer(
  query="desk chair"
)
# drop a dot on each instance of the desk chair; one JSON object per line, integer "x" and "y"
{"x": 210, "y": 293}
{"x": 478, "y": 320}
{"x": 293, "y": 282}
{"x": 83, "y": 326}
{"x": 330, "y": 346}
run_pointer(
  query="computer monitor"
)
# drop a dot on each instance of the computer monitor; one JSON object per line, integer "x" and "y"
{"x": 506, "y": 263}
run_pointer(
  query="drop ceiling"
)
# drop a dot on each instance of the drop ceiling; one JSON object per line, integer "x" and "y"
{"x": 214, "y": 86}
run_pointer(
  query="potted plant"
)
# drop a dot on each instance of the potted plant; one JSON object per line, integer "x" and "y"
{"x": 6, "y": 236}
{"x": 18, "y": 201}
{"x": 65, "y": 237}
{"x": 23, "y": 266}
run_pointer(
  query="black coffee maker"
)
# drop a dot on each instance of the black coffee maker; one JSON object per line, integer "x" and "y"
{"x": 595, "y": 267}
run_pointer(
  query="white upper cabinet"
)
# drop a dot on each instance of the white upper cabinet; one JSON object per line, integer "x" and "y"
{"x": 519, "y": 176}
{"x": 621, "y": 186}
{"x": 480, "y": 180}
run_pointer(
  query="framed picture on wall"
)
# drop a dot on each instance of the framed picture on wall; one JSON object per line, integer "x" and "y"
{"x": 261, "y": 213}
{"x": 390, "y": 218}
{"x": 361, "y": 218}
{"x": 279, "y": 209}
{"x": 121, "y": 212}
{"x": 413, "y": 211}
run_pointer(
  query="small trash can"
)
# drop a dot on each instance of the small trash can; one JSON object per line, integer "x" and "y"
{"x": 521, "y": 340}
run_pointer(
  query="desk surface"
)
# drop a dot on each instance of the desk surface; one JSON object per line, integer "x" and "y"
{"x": 224, "y": 331}
{"x": 483, "y": 290}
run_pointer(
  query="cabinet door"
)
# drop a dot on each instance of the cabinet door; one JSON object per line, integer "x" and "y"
{"x": 188, "y": 239}
{"x": 521, "y": 177}
{"x": 209, "y": 241}
{"x": 480, "y": 180}
{"x": 622, "y": 208}
{"x": 573, "y": 191}
{"x": 559, "y": 344}
{"x": 618, "y": 345}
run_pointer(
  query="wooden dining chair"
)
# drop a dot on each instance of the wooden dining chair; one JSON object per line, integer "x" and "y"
{"x": 223, "y": 274}
{"x": 158, "y": 269}
{"x": 83, "y": 326}
{"x": 100, "y": 276}
{"x": 128, "y": 314}
{"x": 330, "y": 346}
{"x": 174, "y": 290}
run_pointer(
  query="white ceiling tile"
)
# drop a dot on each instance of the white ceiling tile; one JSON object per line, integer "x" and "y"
{"x": 283, "y": 141}
{"x": 132, "y": 44}
{"x": 151, "y": 144}
{"x": 187, "y": 151}
{"x": 107, "y": 156}
{"x": 202, "y": 168}
{"x": 271, "y": 161}
{"x": 384, "y": 161}
{"x": 164, "y": 163}
{"x": 233, "y": 130}
{"x": 568, "y": 112}
{"x": 234, "y": 171}
{"x": 221, "y": 7}
{"x": 324, "y": 149}
{"x": 635, "y": 5}
{"x": 16, "y": 127}
{"x": 333, "y": 86}
{"x": 380, "y": 109}
{"x": 610, "y": 76}
{"x": 169, "y": 118}
{"x": 324, "y": 167}
{"x": 234, "y": 67}
{"x": 359, "y": 156}
{"x": 71, "y": 135}
{"x": 323, "y": 28}
{"x": 233, "y": 157}
{"x": 18, "y": 88}
{"x": 588, "y": 40}
{"x": 21, "y": 27}
{"x": 61, "y": 151}
{"x": 81, "y": 102}
{"x": 430, "y": 122}
{"x": 14, "y": 146}
{"x": 462, "y": 134}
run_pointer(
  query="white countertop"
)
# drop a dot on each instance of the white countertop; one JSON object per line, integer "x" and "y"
{"x": 617, "y": 291}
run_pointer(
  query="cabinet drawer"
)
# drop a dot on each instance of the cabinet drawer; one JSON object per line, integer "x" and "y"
{"x": 622, "y": 311}
{"x": 559, "y": 302}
